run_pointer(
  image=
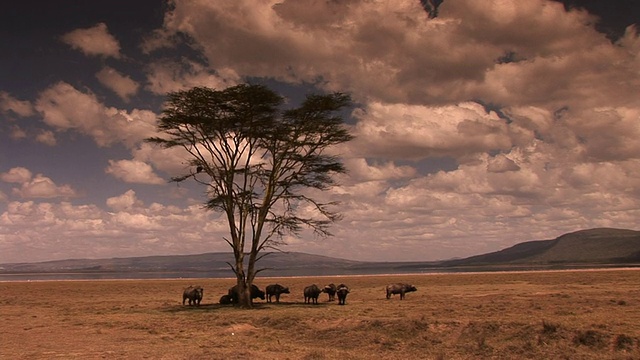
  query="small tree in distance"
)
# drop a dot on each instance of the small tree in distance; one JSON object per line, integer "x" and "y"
{"x": 255, "y": 161}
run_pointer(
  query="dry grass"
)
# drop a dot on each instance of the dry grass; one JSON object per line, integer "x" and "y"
{"x": 532, "y": 315}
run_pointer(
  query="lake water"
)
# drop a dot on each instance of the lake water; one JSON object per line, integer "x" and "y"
{"x": 91, "y": 276}
{"x": 211, "y": 274}
{"x": 307, "y": 272}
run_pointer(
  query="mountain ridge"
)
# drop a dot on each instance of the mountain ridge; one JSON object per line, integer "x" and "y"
{"x": 595, "y": 247}
{"x": 598, "y": 245}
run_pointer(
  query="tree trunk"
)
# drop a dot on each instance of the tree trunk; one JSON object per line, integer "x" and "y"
{"x": 244, "y": 297}
{"x": 243, "y": 294}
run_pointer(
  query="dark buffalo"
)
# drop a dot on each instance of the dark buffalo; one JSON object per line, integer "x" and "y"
{"x": 399, "y": 288}
{"x": 275, "y": 290}
{"x": 194, "y": 294}
{"x": 311, "y": 294}
{"x": 255, "y": 293}
{"x": 225, "y": 300}
{"x": 331, "y": 291}
{"x": 342, "y": 292}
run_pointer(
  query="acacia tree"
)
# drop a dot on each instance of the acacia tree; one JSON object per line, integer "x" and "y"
{"x": 257, "y": 162}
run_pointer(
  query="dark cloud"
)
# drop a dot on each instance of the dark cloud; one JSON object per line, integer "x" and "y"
{"x": 615, "y": 15}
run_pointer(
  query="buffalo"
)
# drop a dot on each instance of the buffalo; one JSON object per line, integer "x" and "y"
{"x": 342, "y": 291}
{"x": 311, "y": 294}
{"x": 331, "y": 291}
{"x": 194, "y": 294}
{"x": 275, "y": 290}
{"x": 399, "y": 288}
{"x": 255, "y": 293}
{"x": 225, "y": 300}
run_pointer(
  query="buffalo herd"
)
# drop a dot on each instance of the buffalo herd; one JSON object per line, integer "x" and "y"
{"x": 311, "y": 293}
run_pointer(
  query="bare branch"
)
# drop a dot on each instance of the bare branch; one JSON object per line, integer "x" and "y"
{"x": 232, "y": 268}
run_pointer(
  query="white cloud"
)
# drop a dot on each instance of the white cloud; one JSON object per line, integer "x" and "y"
{"x": 19, "y": 107}
{"x": 559, "y": 153}
{"x": 501, "y": 163}
{"x": 133, "y": 171}
{"x": 94, "y": 41}
{"x": 414, "y": 131}
{"x": 566, "y": 95}
{"x": 42, "y": 187}
{"x": 135, "y": 222}
{"x": 127, "y": 201}
{"x": 557, "y": 57}
{"x": 406, "y": 57}
{"x": 360, "y": 170}
{"x": 18, "y": 175}
{"x": 46, "y": 137}
{"x": 607, "y": 133}
{"x": 66, "y": 108}
{"x": 172, "y": 160}
{"x": 17, "y": 133}
{"x": 63, "y": 230}
{"x": 164, "y": 76}
{"x": 121, "y": 84}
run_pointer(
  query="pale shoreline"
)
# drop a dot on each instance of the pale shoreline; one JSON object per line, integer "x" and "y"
{"x": 601, "y": 269}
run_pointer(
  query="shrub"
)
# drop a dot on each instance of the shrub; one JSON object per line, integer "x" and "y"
{"x": 623, "y": 342}
{"x": 589, "y": 338}
{"x": 549, "y": 328}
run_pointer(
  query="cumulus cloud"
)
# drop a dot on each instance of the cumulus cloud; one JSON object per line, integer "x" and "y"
{"x": 35, "y": 187}
{"x": 535, "y": 112}
{"x": 17, "y": 133}
{"x": 415, "y": 131}
{"x": 607, "y": 133}
{"x": 443, "y": 213}
{"x": 164, "y": 76}
{"x": 66, "y": 108}
{"x": 172, "y": 160}
{"x": 501, "y": 163}
{"x": 133, "y": 171}
{"x": 18, "y": 175}
{"x": 121, "y": 84}
{"x": 407, "y": 57}
{"x": 127, "y": 201}
{"x": 46, "y": 137}
{"x": 42, "y": 187}
{"x": 21, "y": 108}
{"x": 361, "y": 170}
{"x": 86, "y": 231}
{"x": 527, "y": 99}
{"x": 94, "y": 41}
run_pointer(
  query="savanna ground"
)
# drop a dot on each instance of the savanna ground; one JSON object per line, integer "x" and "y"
{"x": 527, "y": 315}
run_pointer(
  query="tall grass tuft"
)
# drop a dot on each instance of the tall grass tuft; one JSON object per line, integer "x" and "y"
{"x": 590, "y": 338}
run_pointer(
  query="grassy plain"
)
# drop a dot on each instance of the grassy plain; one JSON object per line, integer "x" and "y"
{"x": 527, "y": 315}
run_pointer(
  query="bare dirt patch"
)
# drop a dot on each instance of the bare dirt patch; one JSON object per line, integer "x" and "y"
{"x": 579, "y": 314}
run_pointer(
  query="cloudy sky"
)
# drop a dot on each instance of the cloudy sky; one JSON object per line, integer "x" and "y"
{"x": 497, "y": 122}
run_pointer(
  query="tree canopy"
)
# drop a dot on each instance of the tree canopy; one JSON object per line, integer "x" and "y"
{"x": 255, "y": 160}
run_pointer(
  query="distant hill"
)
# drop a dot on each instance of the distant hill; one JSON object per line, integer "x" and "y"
{"x": 594, "y": 247}
{"x": 201, "y": 265}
